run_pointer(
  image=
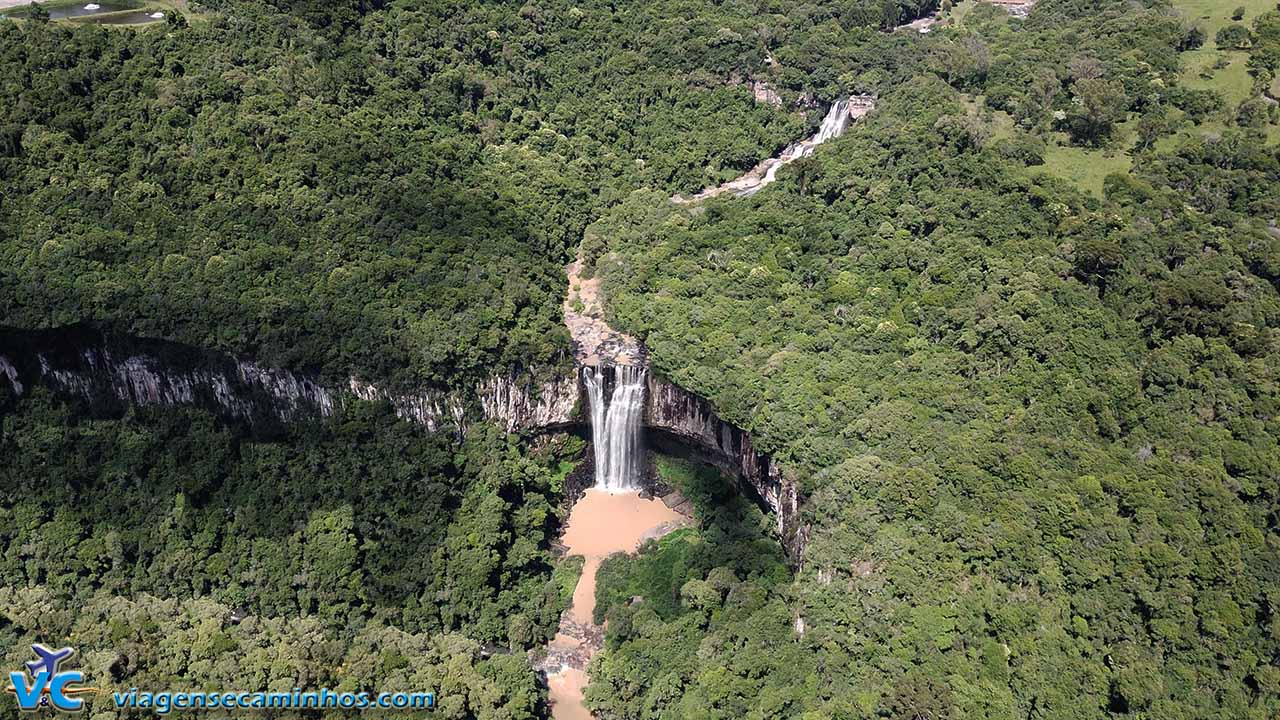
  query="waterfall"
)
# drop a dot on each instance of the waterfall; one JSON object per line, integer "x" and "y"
{"x": 834, "y": 123}
{"x": 615, "y": 425}
{"x": 833, "y": 126}
{"x": 622, "y": 425}
{"x": 593, "y": 379}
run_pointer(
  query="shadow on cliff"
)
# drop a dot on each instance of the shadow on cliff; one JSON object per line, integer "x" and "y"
{"x": 733, "y": 534}
{"x": 356, "y": 517}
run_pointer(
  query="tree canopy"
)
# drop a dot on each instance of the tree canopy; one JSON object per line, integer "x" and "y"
{"x": 1037, "y": 428}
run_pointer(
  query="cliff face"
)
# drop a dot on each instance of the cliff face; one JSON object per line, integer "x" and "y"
{"x": 112, "y": 372}
{"x": 691, "y": 419}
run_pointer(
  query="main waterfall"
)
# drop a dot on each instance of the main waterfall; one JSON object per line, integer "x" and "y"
{"x": 615, "y": 425}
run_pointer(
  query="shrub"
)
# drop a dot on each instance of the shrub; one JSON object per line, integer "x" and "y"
{"x": 1024, "y": 148}
{"x": 1234, "y": 37}
{"x": 1197, "y": 104}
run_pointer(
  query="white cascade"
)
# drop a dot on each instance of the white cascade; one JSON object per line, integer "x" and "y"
{"x": 833, "y": 125}
{"x": 593, "y": 380}
{"x": 615, "y": 425}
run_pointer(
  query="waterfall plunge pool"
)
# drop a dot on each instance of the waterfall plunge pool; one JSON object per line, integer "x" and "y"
{"x": 603, "y": 522}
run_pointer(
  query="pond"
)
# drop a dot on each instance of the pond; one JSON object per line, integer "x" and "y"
{"x": 103, "y": 12}
{"x": 137, "y": 17}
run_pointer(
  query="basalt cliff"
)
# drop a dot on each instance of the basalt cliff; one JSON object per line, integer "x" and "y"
{"x": 691, "y": 421}
{"x": 111, "y": 373}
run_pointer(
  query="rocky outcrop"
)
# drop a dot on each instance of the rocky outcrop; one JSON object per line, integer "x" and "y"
{"x": 594, "y": 342}
{"x": 524, "y": 406}
{"x": 517, "y": 404}
{"x": 1015, "y": 8}
{"x": 691, "y": 420}
{"x": 763, "y": 92}
{"x": 112, "y": 372}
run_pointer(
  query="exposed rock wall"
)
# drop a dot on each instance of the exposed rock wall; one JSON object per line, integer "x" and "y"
{"x": 764, "y": 92}
{"x": 678, "y": 412}
{"x": 116, "y": 373}
{"x": 119, "y": 372}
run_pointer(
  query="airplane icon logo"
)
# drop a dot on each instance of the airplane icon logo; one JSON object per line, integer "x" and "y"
{"x": 49, "y": 660}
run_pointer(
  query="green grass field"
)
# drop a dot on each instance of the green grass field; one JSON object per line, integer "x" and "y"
{"x": 1088, "y": 167}
{"x": 1085, "y": 168}
{"x": 998, "y": 122}
{"x": 1233, "y": 81}
{"x": 1212, "y": 15}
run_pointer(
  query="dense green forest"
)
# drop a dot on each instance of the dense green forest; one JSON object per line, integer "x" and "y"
{"x": 390, "y": 191}
{"x": 717, "y": 589}
{"x": 1037, "y": 427}
{"x": 355, "y": 555}
{"x": 1014, "y": 334}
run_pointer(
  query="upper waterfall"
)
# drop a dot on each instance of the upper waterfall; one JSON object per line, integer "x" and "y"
{"x": 834, "y": 123}
{"x": 615, "y": 424}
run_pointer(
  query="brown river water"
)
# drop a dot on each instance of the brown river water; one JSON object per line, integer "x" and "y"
{"x": 600, "y": 524}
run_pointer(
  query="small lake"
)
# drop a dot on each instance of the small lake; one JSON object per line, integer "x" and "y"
{"x": 138, "y": 17}
{"x": 70, "y": 11}
{"x": 105, "y": 12}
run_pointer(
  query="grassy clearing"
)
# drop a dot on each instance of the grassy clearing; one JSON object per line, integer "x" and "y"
{"x": 1212, "y": 15}
{"x": 1085, "y": 168}
{"x": 1199, "y": 71}
{"x": 1233, "y": 81}
{"x": 184, "y": 7}
{"x": 998, "y": 122}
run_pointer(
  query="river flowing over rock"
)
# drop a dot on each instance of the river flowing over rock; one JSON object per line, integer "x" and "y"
{"x": 838, "y": 118}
